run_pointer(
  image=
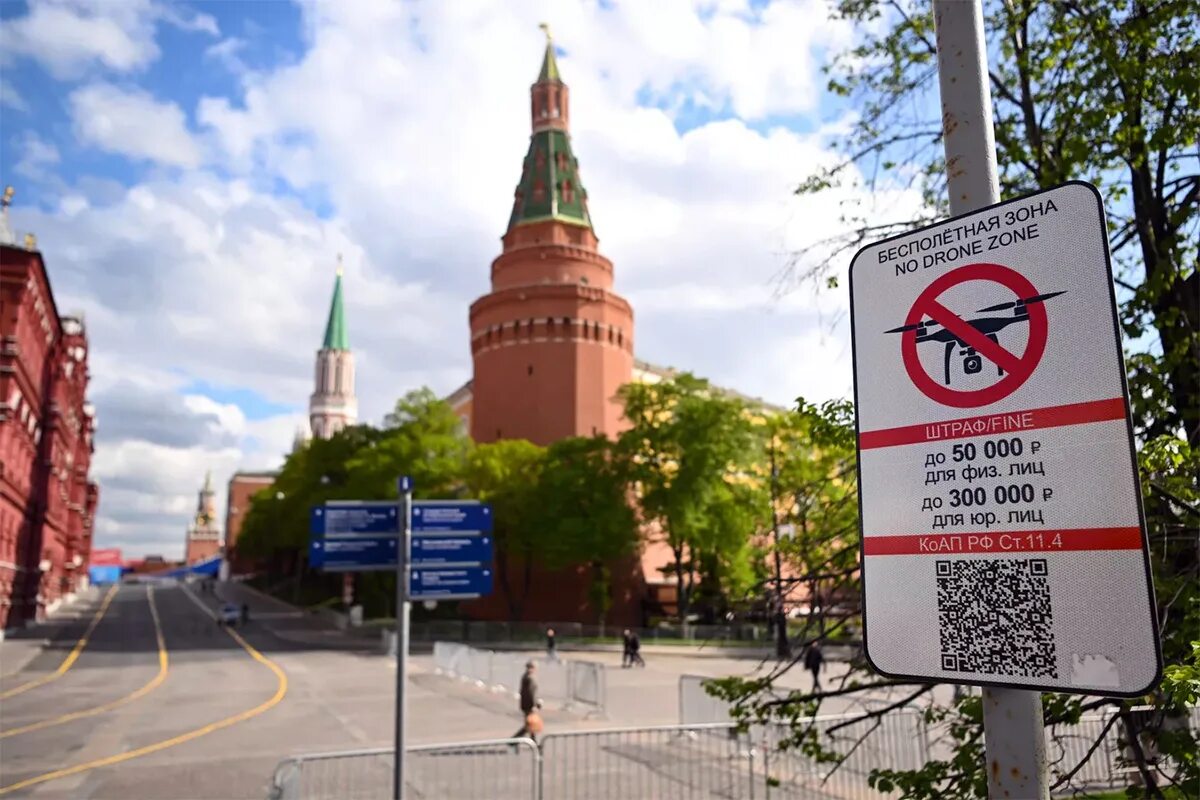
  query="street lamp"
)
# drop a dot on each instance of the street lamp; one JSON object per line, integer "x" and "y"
{"x": 782, "y": 648}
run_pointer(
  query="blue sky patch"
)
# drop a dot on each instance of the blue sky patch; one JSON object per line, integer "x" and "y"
{"x": 252, "y": 404}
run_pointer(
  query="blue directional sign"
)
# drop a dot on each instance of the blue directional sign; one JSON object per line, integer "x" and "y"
{"x": 447, "y": 548}
{"x": 444, "y": 583}
{"x": 451, "y": 516}
{"x": 354, "y": 518}
{"x": 358, "y": 554}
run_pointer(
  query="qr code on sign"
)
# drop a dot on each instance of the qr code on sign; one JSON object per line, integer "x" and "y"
{"x": 994, "y": 617}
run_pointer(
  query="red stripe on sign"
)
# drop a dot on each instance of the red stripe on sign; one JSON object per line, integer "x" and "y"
{"x": 992, "y": 424}
{"x": 1064, "y": 540}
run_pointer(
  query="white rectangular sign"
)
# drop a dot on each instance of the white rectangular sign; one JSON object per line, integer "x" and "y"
{"x": 1003, "y": 540}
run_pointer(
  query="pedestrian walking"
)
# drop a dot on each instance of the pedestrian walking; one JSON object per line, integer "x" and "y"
{"x": 551, "y": 645}
{"x": 245, "y": 613}
{"x": 626, "y": 649}
{"x": 814, "y": 661}
{"x": 530, "y": 703}
{"x": 635, "y": 647}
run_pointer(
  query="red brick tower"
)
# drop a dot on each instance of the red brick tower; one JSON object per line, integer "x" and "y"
{"x": 552, "y": 342}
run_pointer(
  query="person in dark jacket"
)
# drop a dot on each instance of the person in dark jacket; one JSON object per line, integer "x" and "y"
{"x": 635, "y": 655}
{"x": 529, "y": 703}
{"x": 245, "y": 613}
{"x": 626, "y": 649}
{"x": 814, "y": 660}
{"x": 551, "y": 645}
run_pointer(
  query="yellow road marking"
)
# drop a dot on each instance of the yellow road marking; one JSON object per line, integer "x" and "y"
{"x": 71, "y": 657}
{"x": 154, "y": 683}
{"x": 176, "y": 740}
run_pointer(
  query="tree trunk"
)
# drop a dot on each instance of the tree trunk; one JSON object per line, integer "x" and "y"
{"x": 505, "y": 583}
{"x": 681, "y": 601}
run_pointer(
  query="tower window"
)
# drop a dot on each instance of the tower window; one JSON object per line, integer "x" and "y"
{"x": 529, "y": 370}
{"x": 568, "y": 192}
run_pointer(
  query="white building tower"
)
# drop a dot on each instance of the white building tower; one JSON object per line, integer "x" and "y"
{"x": 333, "y": 405}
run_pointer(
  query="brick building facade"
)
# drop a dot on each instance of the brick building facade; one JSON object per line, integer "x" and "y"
{"x": 47, "y": 501}
{"x": 242, "y": 488}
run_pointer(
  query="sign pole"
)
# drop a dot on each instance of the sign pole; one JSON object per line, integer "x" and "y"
{"x": 1014, "y": 732}
{"x": 402, "y": 612}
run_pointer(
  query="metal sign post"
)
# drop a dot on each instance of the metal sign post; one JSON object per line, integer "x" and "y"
{"x": 452, "y": 560}
{"x": 1013, "y": 729}
{"x": 402, "y": 615}
{"x": 1003, "y": 540}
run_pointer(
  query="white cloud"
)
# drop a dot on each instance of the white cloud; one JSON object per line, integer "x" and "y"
{"x": 227, "y": 52}
{"x": 71, "y": 37}
{"x": 10, "y": 97}
{"x": 36, "y": 155}
{"x": 410, "y": 122}
{"x": 134, "y": 124}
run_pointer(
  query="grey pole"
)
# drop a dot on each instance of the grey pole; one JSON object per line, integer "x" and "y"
{"x": 402, "y": 609}
{"x": 1014, "y": 732}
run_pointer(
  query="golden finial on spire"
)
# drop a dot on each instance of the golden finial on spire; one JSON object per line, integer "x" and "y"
{"x": 545, "y": 27}
{"x": 6, "y": 199}
{"x": 30, "y": 241}
{"x": 339, "y": 266}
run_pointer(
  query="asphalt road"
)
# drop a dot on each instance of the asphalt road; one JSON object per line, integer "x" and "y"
{"x": 158, "y": 727}
{"x": 161, "y": 702}
{"x": 206, "y": 717}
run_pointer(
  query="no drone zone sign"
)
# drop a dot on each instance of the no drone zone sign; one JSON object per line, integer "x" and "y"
{"x": 1003, "y": 540}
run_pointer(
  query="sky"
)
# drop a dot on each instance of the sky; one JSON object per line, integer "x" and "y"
{"x": 193, "y": 171}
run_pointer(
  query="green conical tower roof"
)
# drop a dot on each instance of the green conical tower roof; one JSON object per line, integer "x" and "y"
{"x": 550, "y": 187}
{"x": 335, "y": 328}
{"x": 549, "y": 71}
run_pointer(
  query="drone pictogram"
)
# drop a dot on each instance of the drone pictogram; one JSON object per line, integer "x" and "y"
{"x": 990, "y": 327}
{"x": 978, "y": 338}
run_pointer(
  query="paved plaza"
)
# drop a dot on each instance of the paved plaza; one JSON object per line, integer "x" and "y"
{"x": 209, "y": 714}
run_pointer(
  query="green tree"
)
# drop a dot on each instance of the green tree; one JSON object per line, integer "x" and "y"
{"x": 584, "y": 513}
{"x": 277, "y": 521}
{"x": 1108, "y": 92}
{"x": 506, "y": 474}
{"x": 689, "y": 450}
{"x": 816, "y": 494}
{"x": 424, "y": 439}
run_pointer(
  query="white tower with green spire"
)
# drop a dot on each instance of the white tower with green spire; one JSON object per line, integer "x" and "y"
{"x": 333, "y": 405}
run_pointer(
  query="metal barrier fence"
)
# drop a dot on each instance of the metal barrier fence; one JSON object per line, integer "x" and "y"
{"x": 696, "y": 705}
{"x": 699, "y": 762}
{"x": 1110, "y": 765}
{"x": 485, "y": 632}
{"x": 566, "y": 682}
{"x": 495, "y": 769}
{"x": 901, "y": 740}
{"x": 897, "y": 740}
{"x": 674, "y": 761}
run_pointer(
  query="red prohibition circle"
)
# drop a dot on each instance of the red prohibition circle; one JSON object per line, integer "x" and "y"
{"x": 1017, "y": 371}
